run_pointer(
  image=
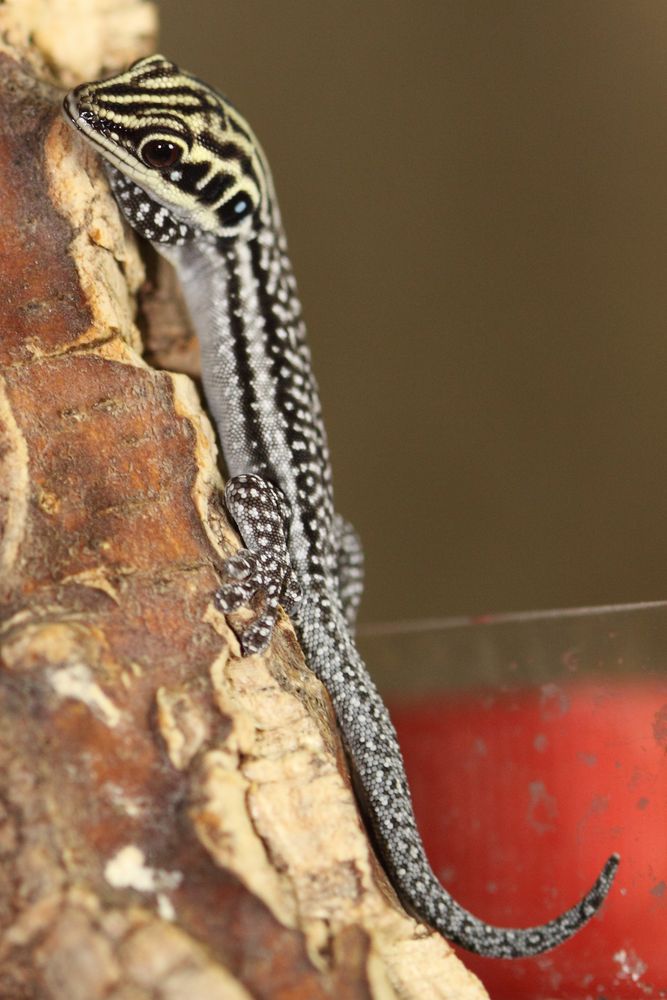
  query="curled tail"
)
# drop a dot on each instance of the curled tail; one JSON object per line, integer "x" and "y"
{"x": 372, "y": 746}
{"x": 432, "y": 903}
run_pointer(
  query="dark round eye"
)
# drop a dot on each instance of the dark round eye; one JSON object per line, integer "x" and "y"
{"x": 160, "y": 154}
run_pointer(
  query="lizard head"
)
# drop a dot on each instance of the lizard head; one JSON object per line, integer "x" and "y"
{"x": 181, "y": 160}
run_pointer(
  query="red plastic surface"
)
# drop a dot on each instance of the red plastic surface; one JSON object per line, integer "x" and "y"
{"x": 521, "y": 797}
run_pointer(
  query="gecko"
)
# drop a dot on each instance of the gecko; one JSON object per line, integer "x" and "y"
{"x": 190, "y": 177}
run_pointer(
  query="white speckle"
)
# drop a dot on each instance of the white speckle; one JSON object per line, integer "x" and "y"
{"x": 76, "y": 682}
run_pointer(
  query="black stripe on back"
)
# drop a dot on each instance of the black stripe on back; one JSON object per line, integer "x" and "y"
{"x": 244, "y": 368}
{"x": 275, "y": 347}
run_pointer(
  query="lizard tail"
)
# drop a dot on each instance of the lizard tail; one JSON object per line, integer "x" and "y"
{"x": 377, "y": 763}
{"x": 437, "y": 907}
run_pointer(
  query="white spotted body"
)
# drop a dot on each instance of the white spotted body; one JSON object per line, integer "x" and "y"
{"x": 190, "y": 176}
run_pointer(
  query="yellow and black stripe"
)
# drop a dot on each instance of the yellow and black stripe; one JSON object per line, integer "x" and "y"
{"x": 168, "y": 132}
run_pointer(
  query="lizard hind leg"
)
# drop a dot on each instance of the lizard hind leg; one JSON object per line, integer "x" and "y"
{"x": 349, "y": 568}
{"x": 262, "y": 569}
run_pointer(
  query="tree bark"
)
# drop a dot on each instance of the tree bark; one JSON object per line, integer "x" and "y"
{"x": 175, "y": 820}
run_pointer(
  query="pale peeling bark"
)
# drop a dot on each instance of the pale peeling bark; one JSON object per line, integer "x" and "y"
{"x": 175, "y": 820}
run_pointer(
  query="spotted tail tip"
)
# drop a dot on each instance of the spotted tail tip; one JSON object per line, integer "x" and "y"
{"x": 594, "y": 899}
{"x": 609, "y": 871}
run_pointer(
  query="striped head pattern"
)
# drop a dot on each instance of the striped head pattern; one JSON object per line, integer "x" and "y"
{"x": 182, "y": 161}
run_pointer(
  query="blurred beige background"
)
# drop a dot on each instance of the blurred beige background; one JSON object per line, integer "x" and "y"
{"x": 475, "y": 195}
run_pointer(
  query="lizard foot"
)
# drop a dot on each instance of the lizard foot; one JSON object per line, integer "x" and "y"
{"x": 261, "y": 572}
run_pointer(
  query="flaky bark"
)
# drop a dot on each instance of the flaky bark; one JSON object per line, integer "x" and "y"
{"x": 175, "y": 820}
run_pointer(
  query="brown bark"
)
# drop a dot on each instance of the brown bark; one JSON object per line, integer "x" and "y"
{"x": 175, "y": 820}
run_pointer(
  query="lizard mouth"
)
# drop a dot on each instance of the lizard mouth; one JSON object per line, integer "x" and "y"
{"x": 101, "y": 133}
{"x": 71, "y": 109}
{"x": 96, "y": 128}
{"x": 82, "y": 118}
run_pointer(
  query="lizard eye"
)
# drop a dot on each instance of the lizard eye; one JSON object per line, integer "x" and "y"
{"x": 160, "y": 154}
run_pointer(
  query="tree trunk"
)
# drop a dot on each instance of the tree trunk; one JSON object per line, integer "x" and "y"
{"x": 175, "y": 820}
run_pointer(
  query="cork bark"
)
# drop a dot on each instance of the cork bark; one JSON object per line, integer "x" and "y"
{"x": 175, "y": 820}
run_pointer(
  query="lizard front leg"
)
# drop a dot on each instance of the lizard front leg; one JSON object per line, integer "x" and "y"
{"x": 262, "y": 570}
